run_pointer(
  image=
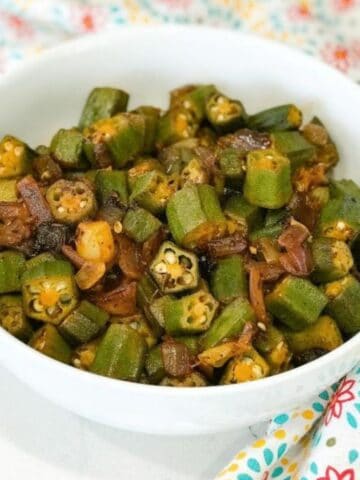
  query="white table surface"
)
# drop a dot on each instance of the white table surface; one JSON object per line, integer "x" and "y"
{"x": 40, "y": 441}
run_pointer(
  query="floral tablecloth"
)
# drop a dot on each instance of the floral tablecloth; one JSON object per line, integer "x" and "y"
{"x": 322, "y": 440}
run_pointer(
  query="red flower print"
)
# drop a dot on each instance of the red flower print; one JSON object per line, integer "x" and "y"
{"x": 338, "y": 56}
{"x": 177, "y": 4}
{"x": 300, "y": 12}
{"x": 341, "y": 396}
{"x": 19, "y": 26}
{"x": 332, "y": 474}
{"x": 341, "y": 5}
{"x": 88, "y": 19}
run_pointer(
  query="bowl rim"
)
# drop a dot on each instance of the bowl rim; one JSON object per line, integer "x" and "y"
{"x": 92, "y": 40}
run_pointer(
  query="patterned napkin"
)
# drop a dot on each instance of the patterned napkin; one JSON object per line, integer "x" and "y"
{"x": 322, "y": 440}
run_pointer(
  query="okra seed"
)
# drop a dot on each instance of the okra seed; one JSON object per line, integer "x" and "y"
{"x": 61, "y": 209}
{"x": 257, "y": 370}
{"x": 8, "y": 146}
{"x": 170, "y": 257}
{"x": 187, "y": 278}
{"x": 341, "y": 226}
{"x": 83, "y": 203}
{"x": 36, "y": 306}
{"x": 262, "y": 326}
{"x": 118, "y": 227}
{"x": 18, "y": 151}
{"x": 253, "y": 250}
{"x": 161, "y": 268}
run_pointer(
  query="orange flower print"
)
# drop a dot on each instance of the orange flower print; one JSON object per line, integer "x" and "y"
{"x": 338, "y": 56}
{"x": 341, "y": 396}
{"x": 333, "y": 474}
{"x": 300, "y": 12}
{"x": 88, "y": 19}
{"x": 341, "y": 5}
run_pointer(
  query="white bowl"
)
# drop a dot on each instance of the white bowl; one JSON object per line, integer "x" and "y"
{"x": 47, "y": 93}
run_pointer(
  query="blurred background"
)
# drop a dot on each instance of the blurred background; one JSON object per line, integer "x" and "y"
{"x": 328, "y": 29}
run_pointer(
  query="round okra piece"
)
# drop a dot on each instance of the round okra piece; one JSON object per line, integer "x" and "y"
{"x": 84, "y": 355}
{"x": 344, "y": 303}
{"x": 195, "y": 379}
{"x": 229, "y": 323}
{"x": 240, "y": 210}
{"x": 138, "y": 323}
{"x": 193, "y": 173}
{"x": 41, "y": 258}
{"x": 12, "y": 317}
{"x": 324, "y": 334}
{"x": 152, "y": 190}
{"x": 232, "y": 163}
{"x": 12, "y": 266}
{"x": 110, "y": 182}
{"x": 71, "y": 201}
{"x": 283, "y": 117}
{"x": 190, "y": 314}
{"x": 120, "y": 354}
{"x": 228, "y": 279}
{"x": 67, "y": 148}
{"x": 332, "y": 259}
{"x": 47, "y": 340}
{"x": 83, "y": 323}
{"x": 157, "y": 308}
{"x": 268, "y": 179}
{"x": 224, "y": 114}
{"x": 295, "y": 147}
{"x": 194, "y": 215}
{"x": 177, "y": 124}
{"x": 103, "y": 102}
{"x": 273, "y": 346}
{"x": 15, "y": 157}
{"x": 146, "y": 293}
{"x": 193, "y": 99}
{"x": 139, "y": 224}
{"x": 154, "y": 365}
{"x": 141, "y": 166}
{"x": 151, "y": 116}
{"x": 296, "y": 302}
{"x": 49, "y": 291}
{"x": 250, "y": 366}
{"x": 175, "y": 269}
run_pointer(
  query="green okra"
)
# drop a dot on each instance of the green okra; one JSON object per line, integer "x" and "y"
{"x": 344, "y": 303}
{"x": 84, "y": 323}
{"x": 332, "y": 259}
{"x": 176, "y": 156}
{"x": 47, "y": 340}
{"x": 8, "y": 190}
{"x": 103, "y": 102}
{"x": 283, "y": 117}
{"x": 194, "y": 379}
{"x": 49, "y": 291}
{"x": 146, "y": 293}
{"x": 141, "y": 166}
{"x": 191, "y": 341}
{"x": 115, "y": 141}
{"x": 250, "y": 366}
{"x": 12, "y": 317}
{"x": 84, "y": 355}
{"x": 45, "y": 168}
{"x": 120, "y": 354}
{"x": 190, "y": 314}
{"x": 154, "y": 365}
{"x": 296, "y": 302}
{"x": 12, "y": 266}
{"x": 275, "y": 221}
{"x": 324, "y": 334}
{"x": 225, "y": 114}
{"x": 295, "y": 147}
{"x": 152, "y": 190}
{"x": 229, "y": 323}
{"x": 67, "y": 148}
{"x": 157, "y": 308}
{"x": 138, "y": 323}
{"x": 194, "y": 172}
{"x": 232, "y": 163}
{"x": 326, "y": 150}
{"x": 175, "y": 269}
{"x": 38, "y": 259}
{"x": 151, "y": 116}
{"x": 268, "y": 179}
{"x": 177, "y": 124}
{"x": 240, "y": 210}
{"x": 140, "y": 225}
{"x": 15, "y": 157}
{"x": 111, "y": 182}
{"x": 194, "y": 215}
{"x": 273, "y": 346}
{"x": 228, "y": 279}
{"x": 194, "y": 100}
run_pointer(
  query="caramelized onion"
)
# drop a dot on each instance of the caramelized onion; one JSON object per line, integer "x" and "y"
{"x": 176, "y": 357}
{"x": 119, "y": 301}
{"x": 15, "y": 223}
{"x": 225, "y": 246}
{"x": 34, "y": 199}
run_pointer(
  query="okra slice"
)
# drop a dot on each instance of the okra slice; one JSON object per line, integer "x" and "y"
{"x": 324, "y": 334}
{"x": 283, "y": 117}
{"x": 67, "y": 148}
{"x": 120, "y": 354}
{"x": 344, "y": 303}
{"x": 49, "y": 291}
{"x": 268, "y": 179}
{"x": 44, "y": 167}
{"x": 47, "y": 340}
{"x": 175, "y": 269}
{"x": 8, "y": 190}
{"x": 111, "y": 182}
{"x": 228, "y": 279}
{"x": 139, "y": 224}
{"x": 116, "y": 140}
{"x": 146, "y": 293}
{"x": 94, "y": 241}
{"x": 229, "y": 323}
{"x": 190, "y": 314}
{"x": 71, "y": 201}
{"x": 194, "y": 172}
{"x": 157, "y": 308}
{"x": 83, "y": 323}
{"x": 15, "y": 157}
{"x": 273, "y": 346}
{"x": 176, "y": 156}
{"x": 12, "y": 317}
{"x": 154, "y": 365}
{"x": 332, "y": 259}
{"x": 103, "y": 102}
{"x": 295, "y": 147}
{"x": 240, "y": 210}
{"x": 340, "y": 217}
{"x": 12, "y": 266}
{"x": 275, "y": 220}
{"x": 296, "y": 302}
{"x": 138, "y": 323}
{"x": 232, "y": 163}
{"x": 194, "y": 215}
{"x": 326, "y": 150}
{"x": 195, "y": 379}
{"x": 191, "y": 341}
{"x": 193, "y": 100}
{"x": 141, "y": 166}
{"x": 151, "y": 116}
{"x": 224, "y": 114}
{"x": 152, "y": 190}
{"x": 84, "y": 355}
{"x": 251, "y": 366}
{"x": 177, "y": 124}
